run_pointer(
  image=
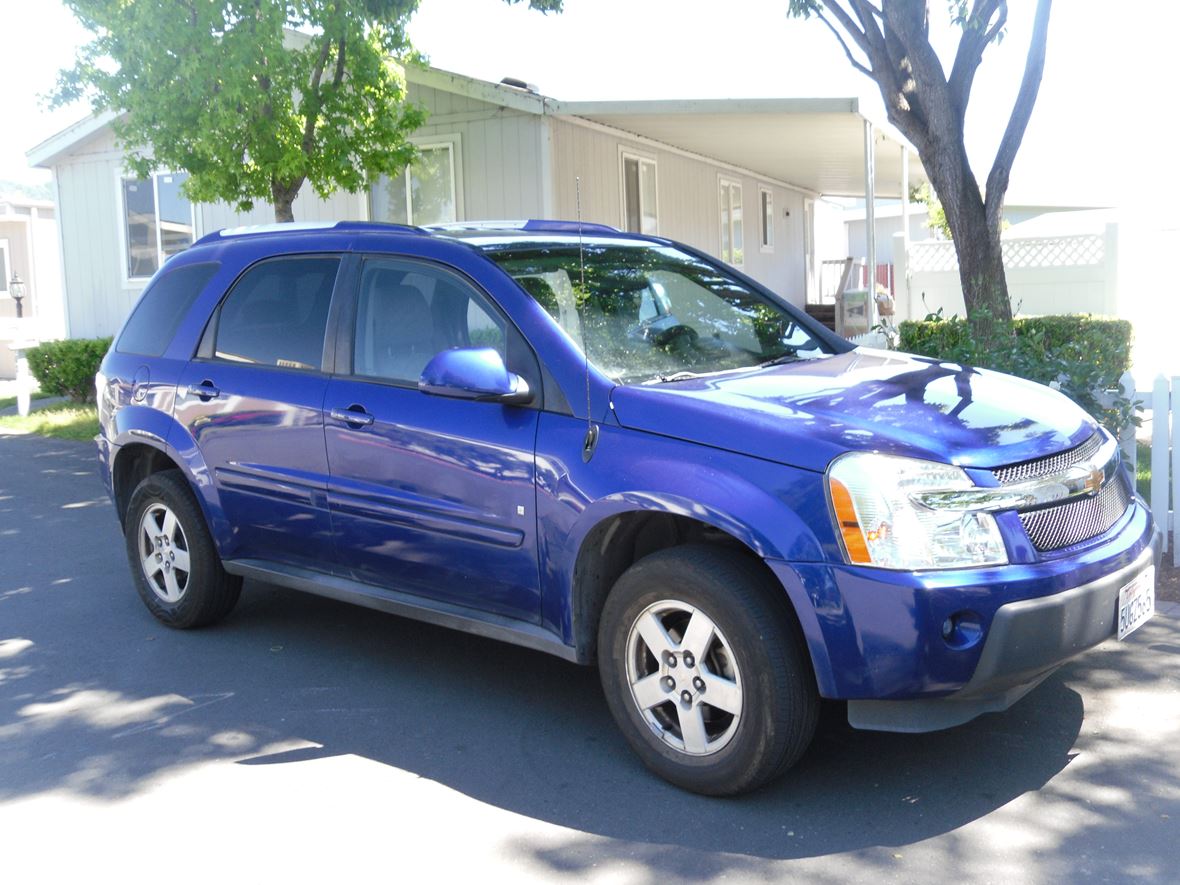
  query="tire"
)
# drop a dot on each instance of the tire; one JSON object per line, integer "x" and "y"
{"x": 173, "y": 562}
{"x": 754, "y": 669}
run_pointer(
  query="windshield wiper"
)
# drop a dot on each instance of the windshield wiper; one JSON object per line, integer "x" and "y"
{"x": 675, "y": 376}
{"x": 781, "y": 359}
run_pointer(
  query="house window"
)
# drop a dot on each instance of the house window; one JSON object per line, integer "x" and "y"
{"x": 425, "y": 193}
{"x": 640, "y": 213}
{"x": 732, "y": 241}
{"x": 4, "y": 267}
{"x": 157, "y": 221}
{"x": 766, "y": 204}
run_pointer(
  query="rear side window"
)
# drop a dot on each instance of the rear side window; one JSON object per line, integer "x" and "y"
{"x": 156, "y": 318}
{"x": 277, "y": 312}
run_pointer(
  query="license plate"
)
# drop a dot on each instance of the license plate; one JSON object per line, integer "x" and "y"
{"x": 1137, "y": 602}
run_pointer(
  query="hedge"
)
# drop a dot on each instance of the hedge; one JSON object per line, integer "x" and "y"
{"x": 1081, "y": 355}
{"x": 67, "y": 368}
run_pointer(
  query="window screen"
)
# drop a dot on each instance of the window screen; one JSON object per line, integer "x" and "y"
{"x": 408, "y": 312}
{"x": 163, "y": 305}
{"x": 277, "y": 313}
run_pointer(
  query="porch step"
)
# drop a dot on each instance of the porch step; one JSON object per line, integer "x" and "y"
{"x": 824, "y": 313}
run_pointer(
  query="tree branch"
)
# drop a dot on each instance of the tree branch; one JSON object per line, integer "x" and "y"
{"x": 976, "y": 37}
{"x": 1026, "y": 98}
{"x": 843, "y": 45}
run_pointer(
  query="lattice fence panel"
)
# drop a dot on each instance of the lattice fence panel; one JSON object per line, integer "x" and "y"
{"x": 1083, "y": 250}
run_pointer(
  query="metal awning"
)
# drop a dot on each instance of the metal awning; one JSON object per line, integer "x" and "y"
{"x": 816, "y": 144}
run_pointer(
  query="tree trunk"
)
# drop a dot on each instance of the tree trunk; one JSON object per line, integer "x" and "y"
{"x": 282, "y": 196}
{"x": 976, "y": 237}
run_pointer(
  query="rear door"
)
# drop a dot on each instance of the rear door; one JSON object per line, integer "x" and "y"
{"x": 430, "y": 495}
{"x": 253, "y": 401}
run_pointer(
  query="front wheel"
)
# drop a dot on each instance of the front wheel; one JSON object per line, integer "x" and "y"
{"x": 175, "y": 566}
{"x": 704, "y": 670}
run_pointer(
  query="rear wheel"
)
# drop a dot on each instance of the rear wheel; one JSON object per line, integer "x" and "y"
{"x": 175, "y": 566}
{"x": 704, "y": 670}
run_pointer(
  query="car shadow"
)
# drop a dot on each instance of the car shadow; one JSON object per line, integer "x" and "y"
{"x": 98, "y": 699}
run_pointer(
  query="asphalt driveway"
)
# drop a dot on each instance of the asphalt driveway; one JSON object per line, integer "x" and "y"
{"x": 306, "y": 739}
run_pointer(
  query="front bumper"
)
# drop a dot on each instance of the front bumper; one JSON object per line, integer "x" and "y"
{"x": 876, "y": 637}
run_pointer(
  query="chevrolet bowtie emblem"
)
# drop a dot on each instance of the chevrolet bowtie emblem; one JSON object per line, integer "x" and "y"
{"x": 1094, "y": 480}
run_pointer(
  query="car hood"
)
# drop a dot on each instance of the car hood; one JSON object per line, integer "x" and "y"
{"x": 808, "y": 412}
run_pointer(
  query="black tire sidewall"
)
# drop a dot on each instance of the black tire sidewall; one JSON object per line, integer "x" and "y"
{"x": 776, "y": 693}
{"x": 170, "y": 488}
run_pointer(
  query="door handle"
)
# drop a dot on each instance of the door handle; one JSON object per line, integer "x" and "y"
{"x": 205, "y": 390}
{"x": 352, "y": 415}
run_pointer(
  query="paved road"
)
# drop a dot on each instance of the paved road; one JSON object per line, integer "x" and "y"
{"x": 311, "y": 740}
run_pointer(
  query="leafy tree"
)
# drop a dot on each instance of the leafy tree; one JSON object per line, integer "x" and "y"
{"x": 253, "y": 98}
{"x": 889, "y": 42}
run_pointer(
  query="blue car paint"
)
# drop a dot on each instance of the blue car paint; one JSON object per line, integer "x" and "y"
{"x": 743, "y": 452}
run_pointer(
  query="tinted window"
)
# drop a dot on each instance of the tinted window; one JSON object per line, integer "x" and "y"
{"x": 277, "y": 312}
{"x": 162, "y": 307}
{"x": 408, "y": 312}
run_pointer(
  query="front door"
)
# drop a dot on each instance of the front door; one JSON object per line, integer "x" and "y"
{"x": 430, "y": 495}
{"x": 253, "y": 401}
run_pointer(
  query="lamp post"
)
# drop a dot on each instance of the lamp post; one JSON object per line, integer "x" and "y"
{"x": 16, "y": 290}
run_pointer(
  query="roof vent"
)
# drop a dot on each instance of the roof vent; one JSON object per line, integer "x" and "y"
{"x": 520, "y": 84}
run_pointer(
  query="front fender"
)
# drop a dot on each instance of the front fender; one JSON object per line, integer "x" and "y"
{"x": 778, "y": 512}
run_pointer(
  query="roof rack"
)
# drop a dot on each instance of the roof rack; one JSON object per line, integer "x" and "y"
{"x": 285, "y": 227}
{"x": 532, "y": 224}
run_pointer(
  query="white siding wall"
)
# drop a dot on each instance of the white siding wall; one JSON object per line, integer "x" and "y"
{"x": 499, "y": 152}
{"x": 688, "y": 200}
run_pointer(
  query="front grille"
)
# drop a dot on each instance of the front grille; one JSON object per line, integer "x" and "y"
{"x": 1062, "y": 525}
{"x": 1065, "y": 524}
{"x": 1052, "y": 464}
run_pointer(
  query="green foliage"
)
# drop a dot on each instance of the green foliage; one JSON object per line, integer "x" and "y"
{"x": 250, "y": 110}
{"x": 67, "y": 368}
{"x": 1082, "y": 356}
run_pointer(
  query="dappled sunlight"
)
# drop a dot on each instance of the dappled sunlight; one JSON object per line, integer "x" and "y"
{"x": 10, "y": 648}
{"x": 11, "y": 674}
{"x": 98, "y": 709}
{"x": 78, "y": 505}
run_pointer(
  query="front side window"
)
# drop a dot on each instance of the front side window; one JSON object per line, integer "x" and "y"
{"x": 640, "y": 213}
{"x": 277, "y": 312}
{"x": 157, "y": 221}
{"x": 654, "y": 313}
{"x": 407, "y": 312}
{"x": 732, "y": 239}
{"x": 425, "y": 193}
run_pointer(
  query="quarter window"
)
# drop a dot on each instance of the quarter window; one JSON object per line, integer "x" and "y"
{"x": 640, "y": 212}
{"x": 732, "y": 240}
{"x": 157, "y": 221}
{"x": 156, "y": 318}
{"x": 425, "y": 193}
{"x": 408, "y": 312}
{"x": 277, "y": 312}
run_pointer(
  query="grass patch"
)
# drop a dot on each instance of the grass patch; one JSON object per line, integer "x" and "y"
{"x": 6, "y": 401}
{"x": 60, "y": 421}
{"x": 1143, "y": 469}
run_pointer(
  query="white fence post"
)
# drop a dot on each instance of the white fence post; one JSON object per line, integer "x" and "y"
{"x": 1174, "y": 509}
{"x": 1160, "y": 444}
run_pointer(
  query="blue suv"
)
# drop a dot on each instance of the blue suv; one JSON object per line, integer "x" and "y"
{"x": 614, "y": 449}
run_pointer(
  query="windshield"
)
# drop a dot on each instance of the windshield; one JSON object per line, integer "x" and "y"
{"x": 654, "y": 313}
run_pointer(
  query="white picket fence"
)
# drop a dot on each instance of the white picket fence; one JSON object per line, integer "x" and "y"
{"x": 1165, "y": 459}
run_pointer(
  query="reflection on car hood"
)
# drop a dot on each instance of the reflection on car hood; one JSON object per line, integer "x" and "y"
{"x": 807, "y": 413}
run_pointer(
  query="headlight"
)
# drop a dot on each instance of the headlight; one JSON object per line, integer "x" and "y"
{"x": 880, "y": 524}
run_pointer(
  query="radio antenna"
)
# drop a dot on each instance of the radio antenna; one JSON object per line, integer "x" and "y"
{"x": 591, "y": 440}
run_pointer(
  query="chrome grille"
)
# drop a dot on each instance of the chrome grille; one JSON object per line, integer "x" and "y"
{"x": 1065, "y": 524}
{"x": 1045, "y": 466}
{"x": 1062, "y": 525}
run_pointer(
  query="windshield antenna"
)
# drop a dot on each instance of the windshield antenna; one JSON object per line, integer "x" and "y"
{"x": 591, "y": 440}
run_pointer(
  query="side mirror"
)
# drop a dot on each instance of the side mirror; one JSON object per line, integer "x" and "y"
{"x": 476, "y": 373}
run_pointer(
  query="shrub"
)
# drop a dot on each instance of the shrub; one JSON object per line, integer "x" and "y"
{"x": 67, "y": 368}
{"x": 1083, "y": 356}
